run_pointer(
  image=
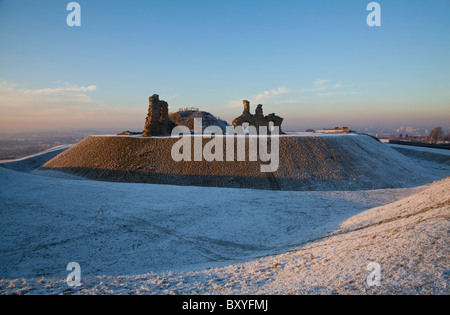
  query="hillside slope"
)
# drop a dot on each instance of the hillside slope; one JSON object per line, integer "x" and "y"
{"x": 408, "y": 241}
{"x": 321, "y": 162}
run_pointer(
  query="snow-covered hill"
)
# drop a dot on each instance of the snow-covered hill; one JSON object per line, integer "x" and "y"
{"x": 306, "y": 162}
{"x": 407, "y": 240}
{"x": 146, "y": 238}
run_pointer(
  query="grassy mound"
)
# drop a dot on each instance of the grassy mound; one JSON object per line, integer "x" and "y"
{"x": 315, "y": 162}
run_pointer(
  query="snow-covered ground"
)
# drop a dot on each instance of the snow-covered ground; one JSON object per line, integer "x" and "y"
{"x": 436, "y": 161}
{"x": 31, "y": 162}
{"x": 421, "y": 149}
{"x": 144, "y": 238}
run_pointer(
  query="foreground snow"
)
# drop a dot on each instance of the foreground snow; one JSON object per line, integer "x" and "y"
{"x": 124, "y": 228}
{"x": 408, "y": 239}
{"x": 160, "y": 239}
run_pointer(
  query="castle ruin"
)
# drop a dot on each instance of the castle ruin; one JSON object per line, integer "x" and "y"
{"x": 258, "y": 119}
{"x": 158, "y": 122}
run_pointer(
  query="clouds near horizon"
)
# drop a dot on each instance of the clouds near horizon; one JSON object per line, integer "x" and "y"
{"x": 66, "y": 105}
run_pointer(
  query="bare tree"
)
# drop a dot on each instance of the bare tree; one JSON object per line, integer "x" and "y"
{"x": 436, "y": 134}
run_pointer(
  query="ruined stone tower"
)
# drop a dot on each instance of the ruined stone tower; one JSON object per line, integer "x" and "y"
{"x": 158, "y": 122}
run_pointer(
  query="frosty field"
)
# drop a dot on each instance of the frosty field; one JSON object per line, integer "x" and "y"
{"x": 166, "y": 239}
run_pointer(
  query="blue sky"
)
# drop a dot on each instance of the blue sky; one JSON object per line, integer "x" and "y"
{"x": 315, "y": 63}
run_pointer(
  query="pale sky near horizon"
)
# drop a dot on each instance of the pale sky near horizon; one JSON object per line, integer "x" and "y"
{"x": 315, "y": 63}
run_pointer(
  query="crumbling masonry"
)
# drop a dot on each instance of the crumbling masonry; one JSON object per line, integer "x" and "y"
{"x": 158, "y": 122}
{"x": 258, "y": 119}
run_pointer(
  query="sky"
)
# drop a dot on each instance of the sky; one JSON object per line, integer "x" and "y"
{"x": 315, "y": 63}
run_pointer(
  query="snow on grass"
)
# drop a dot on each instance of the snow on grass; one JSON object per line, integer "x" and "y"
{"x": 161, "y": 239}
{"x": 338, "y": 162}
{"x": 31, "y": 162}
{"x": 408, "y": 239}
{"x": 118, "y": 228}
{"x": 421, "y": 149}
